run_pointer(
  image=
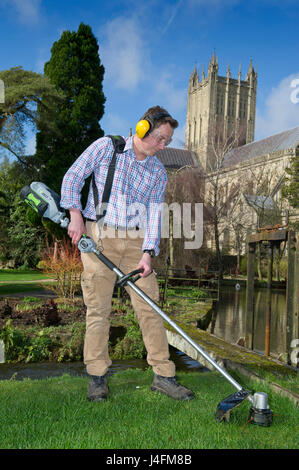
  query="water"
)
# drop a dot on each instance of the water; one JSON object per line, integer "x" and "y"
{"x": 20, "y": 371}
{"x": 229, "y": 321}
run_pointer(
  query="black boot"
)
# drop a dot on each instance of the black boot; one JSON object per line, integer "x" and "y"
{"x": 169, "y": 386}
{"x": 97, "y": 388}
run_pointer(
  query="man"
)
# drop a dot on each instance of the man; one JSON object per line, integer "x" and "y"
{"x": 129, "y": 237}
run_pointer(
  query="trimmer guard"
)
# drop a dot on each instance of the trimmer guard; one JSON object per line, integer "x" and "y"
{"x": 232, "y": 401}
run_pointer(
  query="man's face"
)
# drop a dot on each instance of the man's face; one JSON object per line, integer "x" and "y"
{"x": 158, "y": 139}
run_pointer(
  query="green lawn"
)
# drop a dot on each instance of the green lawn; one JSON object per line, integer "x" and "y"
{"x": 7, "y": 275}
{"x": 13, "y": 281}
{"x": 54, "y": 414}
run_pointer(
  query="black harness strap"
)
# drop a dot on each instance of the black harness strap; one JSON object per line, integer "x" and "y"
{"x": 119, "y": 145}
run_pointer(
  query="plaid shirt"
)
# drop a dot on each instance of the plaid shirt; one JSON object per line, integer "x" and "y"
{"x": 136, "y": 195}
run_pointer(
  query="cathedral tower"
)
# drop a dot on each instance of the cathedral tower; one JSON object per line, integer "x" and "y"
{"x": 219, "y": 107}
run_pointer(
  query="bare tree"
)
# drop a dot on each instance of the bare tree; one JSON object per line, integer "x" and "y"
{"x": 262, "y": 187}
{"x": 219, "y": 194}
{"x": 185, "y": 185}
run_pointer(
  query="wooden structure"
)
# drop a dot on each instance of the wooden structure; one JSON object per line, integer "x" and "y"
{"x": 273, "y": 238}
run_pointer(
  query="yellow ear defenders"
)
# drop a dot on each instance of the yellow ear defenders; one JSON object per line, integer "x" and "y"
{"x": 145, "y": 126}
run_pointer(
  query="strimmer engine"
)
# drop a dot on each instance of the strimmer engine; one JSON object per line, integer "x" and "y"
{"x": 260, "y": 412}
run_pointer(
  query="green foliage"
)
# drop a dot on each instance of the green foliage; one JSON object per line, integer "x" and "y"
{"x": 26, "y": 240}
{"x": 16, "y": 343}
{"x": 21, "y": 233}
{"x": 23, "y": 92}
{"x": 291, "y": 189}
{"x": 131, "y": 346}
{"x": 46, "y": 344}
{"x": 73, "y": 349}
{"x": 75, "y": 70}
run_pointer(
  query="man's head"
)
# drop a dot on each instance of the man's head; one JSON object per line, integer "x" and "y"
{"x": 154, "y": 130}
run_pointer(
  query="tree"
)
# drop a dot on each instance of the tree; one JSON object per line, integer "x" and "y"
{"x": 219, "y": 197}
{"x": 262, "y": 187}
{"x": 23, "y": 93}
{"x": 75, "y": 70}
{"x": 19, "y": 239}
{"x": 291, "y": 188}
{"x": 185, "y": 185}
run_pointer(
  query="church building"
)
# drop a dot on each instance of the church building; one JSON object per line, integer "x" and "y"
{"x": 219, "y": 140}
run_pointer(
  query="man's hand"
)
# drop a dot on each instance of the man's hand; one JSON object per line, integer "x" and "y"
{"x": 146, "y": 264}
{"x": 76, "y": 226}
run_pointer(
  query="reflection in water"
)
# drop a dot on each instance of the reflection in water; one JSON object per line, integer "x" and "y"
{"x": 229, "y": 319}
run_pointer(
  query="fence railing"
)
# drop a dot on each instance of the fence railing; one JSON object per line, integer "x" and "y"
{"x": 187, "y": 283}
{"x": 194, "y": 284}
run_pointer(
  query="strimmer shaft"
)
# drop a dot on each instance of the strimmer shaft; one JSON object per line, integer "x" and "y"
{"x": 150, "y": 302}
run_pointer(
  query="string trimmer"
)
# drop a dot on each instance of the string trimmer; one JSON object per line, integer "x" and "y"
{"x": 46, "y": 203}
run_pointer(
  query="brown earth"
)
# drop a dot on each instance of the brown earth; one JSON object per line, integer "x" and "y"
{"x": 49, "y": 314}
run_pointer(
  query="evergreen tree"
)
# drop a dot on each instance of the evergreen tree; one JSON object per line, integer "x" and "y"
{"x": 291, "y": 189}
{"x": 75, "y": 70}
{"x": 20, "y": 235}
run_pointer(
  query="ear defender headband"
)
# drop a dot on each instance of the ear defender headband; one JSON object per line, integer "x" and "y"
{"x": 145, "y": 126}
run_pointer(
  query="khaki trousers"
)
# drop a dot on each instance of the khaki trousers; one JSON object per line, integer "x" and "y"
{"x": 124, "y": 249}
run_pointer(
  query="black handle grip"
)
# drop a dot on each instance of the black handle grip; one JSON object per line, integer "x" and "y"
{"x": 124, "y": 279}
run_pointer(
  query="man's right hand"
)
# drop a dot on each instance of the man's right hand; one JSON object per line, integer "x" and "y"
{"x": 76, "y": 226}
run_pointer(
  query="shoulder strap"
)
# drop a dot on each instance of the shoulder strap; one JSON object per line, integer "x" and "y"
{"x": 118, "y": 145}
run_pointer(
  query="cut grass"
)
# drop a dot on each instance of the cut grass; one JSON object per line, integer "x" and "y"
{"x": 8, "y": 289}
{"x": 22, "y": 275}
{"x": 13, "y": 281}
{"x": 54, "y": 414}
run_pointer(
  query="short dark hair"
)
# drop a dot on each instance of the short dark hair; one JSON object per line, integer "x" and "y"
{"x": 158, "y": 122}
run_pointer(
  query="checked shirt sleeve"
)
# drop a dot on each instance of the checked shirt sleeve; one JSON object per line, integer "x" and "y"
{"x": 154, "y": 215}
{"x": 74, "y": 178}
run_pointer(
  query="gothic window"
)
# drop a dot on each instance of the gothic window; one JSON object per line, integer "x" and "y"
{"x": 233, "y": 106}
{"x": 244, "y": 109}
{"x": 219, "y": 103}
{"x": 200, "y": 124}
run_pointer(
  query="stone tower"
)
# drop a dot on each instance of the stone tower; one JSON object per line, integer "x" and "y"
{"x": 219, "y": 107}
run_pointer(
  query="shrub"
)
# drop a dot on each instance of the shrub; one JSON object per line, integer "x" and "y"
{"x": 62, "y": 259}
{"x": 132, "y": 344}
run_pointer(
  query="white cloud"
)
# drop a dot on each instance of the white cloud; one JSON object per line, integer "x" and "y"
{"x": 178, "y": 140}
{"x": 281, "y": 110}
{"x": 124, "y": 53}
{"x": 172, "y": 16}
{"x": 126, "y": 57}
{"x": 114, "y": 123}
{"x": 165, "y": 91}
{"x": 28, "y": 11}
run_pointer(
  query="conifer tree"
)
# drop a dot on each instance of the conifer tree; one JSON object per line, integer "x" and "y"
{"x": 75, "y": 70}
{"x": 291, "y": 189}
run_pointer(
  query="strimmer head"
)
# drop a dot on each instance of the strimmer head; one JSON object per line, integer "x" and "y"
{"x": 260, "y": 412}
{"x": 232, "y": 401}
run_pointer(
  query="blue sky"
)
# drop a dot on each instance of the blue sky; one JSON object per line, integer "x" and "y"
{"x": 150, "y": 48}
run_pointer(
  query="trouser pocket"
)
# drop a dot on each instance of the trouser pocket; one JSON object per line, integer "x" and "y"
{"x": 96, "y": 288}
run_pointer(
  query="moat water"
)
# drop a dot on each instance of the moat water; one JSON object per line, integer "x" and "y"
{"x": 229, "y": 320}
